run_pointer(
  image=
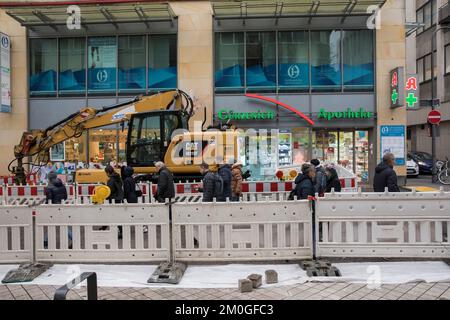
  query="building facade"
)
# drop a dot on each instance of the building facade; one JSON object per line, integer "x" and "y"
{"x": 419, "y": 60}
{"x": 317, "y": 73}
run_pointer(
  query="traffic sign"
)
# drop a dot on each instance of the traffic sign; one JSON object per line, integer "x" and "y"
{"x": 434, "y": 117}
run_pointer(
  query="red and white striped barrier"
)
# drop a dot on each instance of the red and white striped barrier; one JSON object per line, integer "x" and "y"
{"x": 85, "y": 192}
{"x": 267, "y": 186}
{"x": 33, "y": 191}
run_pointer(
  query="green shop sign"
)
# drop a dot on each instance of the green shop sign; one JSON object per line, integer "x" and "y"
{"x": 348, "y": 114}
{"x": 233, "y": 115}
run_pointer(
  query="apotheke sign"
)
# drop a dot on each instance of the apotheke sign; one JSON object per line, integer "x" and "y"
{"x": 348, "y": 114}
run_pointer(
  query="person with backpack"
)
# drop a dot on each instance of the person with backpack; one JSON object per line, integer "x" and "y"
{"x": 226, "y": 175}
{"x": 115, "y": 185}
{"x": 320, "y": 181}
{"x": 212, "y": 184}
{"x": 166, "y": 187}
{"x": 304, "y": 183}
{"x": 129, "y": 185}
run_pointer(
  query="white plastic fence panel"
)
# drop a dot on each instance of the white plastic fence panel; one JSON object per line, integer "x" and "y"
{"x": 15, "y": 234}
{"x": 393, "y": 226}
{"x": 242, "y": 231}
{"x": 90, "y": 233}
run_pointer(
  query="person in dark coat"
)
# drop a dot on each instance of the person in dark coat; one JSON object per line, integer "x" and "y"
{"x": 129, "y": 185}
{"x": 320, "y": 180}
{"x": 225, "y": 173}
{"x": 166, "y": 187}
{"x": 385, "y": 176}
{"x": 209, "y": 182}
{"x": 115, "y": 185}
{"x": 333, "y": 181}
{"x": 56, "y": 191}
{"x": 304, "y": 183}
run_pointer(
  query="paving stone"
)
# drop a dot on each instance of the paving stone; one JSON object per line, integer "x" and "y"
{"x": 271, "y": 276}
{"x": 256, "y": 280}
{"x": 245, "y": 285}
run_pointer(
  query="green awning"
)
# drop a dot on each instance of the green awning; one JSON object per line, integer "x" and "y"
{"x": 35, "y": 16}
{"x": 296, "y": 8}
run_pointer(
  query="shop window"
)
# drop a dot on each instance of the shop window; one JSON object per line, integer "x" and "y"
{"x": 326, "y": 69}
{"x": 102, "y": 146}
{"x": 293, "y": 60}
{"x": 43, "y": 66}
{"x": 346, "y": 150}
{"x": 300, "y": 145}
{"x": 102, "y": 64}
{"x": 162, "y": 62}
{"x": 72, "y": 69}
{"x": 229, "y": 62}
{"x": 75, "y": 150}
{"x": 358, "y": 59}
{"x": 362, "y": 155}
{"x": 261, "y": 61}
{"x": 132, "y": 63}
{"x": 325, "y": 146}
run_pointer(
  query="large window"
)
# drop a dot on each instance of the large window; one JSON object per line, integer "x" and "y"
{"x": 132, "y": 63}
{"x": 43, "y": 66}
{"x": 427, "y": 14}
{"x": 162, "y": 62}
{"x": 102, "y": 64}
{"x": 72, "y": 69}
{"x": 229, "y": 61}
{"x": 293, "y": 60}
{"x": 358, "y": 59}
{"x": 261, "y": 60}
{"x": 447, "y": 59}
{"x": 424, "y": 67}
{"x": 326, "y": 60}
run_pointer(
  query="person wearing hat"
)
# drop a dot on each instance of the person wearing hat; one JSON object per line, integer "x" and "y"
{"x": 304, "y": 183}
{"x": 236, "y": 181}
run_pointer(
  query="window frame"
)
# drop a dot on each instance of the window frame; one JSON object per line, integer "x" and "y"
{"x": 433, "y": 18}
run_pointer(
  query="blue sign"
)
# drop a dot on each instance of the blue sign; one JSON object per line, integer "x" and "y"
{"x": 392, "y": 139}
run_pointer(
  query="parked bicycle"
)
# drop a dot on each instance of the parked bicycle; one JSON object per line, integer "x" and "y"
{"x": 443, "y": 171}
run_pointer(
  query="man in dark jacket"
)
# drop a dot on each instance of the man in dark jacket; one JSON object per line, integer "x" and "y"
{"x": 225, "y": 173}
{"x": 115, "y": 185}
{"x": 166, "y": 187}
{"x": 209, "y": 183}
{"x": 304, "y": 185}
{"x": 56, "y": 191}
{"x": 320, "y": 181}
{"x": 129, "y": 185}
{"x": 385, "y": 176}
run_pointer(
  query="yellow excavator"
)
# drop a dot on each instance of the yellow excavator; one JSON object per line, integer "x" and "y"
{"x": 158, "y": 130}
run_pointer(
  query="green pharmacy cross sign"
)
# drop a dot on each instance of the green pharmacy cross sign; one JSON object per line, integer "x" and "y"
{"x": 394, "y": 96}
{"x": 412, "y": 93}
{"x": 399, "y": 89}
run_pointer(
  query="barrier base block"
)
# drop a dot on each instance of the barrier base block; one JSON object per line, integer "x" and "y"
{"x": 168, "y": 272}
{"x": 26, "y": 272}
{"x": 320, "y": 268}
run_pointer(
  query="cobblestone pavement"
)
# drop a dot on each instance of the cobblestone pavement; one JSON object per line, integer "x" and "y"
{"x": 306, "y": 291}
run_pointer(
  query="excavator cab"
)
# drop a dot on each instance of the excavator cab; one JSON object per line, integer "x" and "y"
{"x": 150, "y": 134}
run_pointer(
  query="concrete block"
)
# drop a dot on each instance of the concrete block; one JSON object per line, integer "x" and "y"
{"x": 245, "y": 285}
{"x": 256, "y": 280}
{"x": 271, "y": 276}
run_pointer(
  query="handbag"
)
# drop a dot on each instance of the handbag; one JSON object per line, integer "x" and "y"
{"x": 138, "y": 190}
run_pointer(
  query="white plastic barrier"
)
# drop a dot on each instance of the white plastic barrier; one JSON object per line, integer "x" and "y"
{"x": 15, "y": 234}
{"x": 384, "y": 225}
{"x": 242, "y": 231}
{"x": 90, "y": 233}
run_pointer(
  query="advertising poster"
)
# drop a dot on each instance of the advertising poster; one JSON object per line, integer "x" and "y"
{"x": 57, "y": 152}
{"x": 392, "y": 139}
{"x": 102, "y": 61}
{"x": 5, "y": 73}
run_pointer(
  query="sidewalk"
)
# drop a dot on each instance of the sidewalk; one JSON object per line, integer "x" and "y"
{"x": 306, "y": 291}
{"x": 425, "y": 181}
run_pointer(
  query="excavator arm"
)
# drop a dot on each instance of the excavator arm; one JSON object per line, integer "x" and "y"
{"x": 38, "y": 142}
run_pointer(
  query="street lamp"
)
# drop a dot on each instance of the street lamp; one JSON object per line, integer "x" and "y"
{"x": 433, "y": 127}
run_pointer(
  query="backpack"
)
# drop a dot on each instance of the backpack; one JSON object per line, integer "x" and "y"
{"x": 218, "y": 186}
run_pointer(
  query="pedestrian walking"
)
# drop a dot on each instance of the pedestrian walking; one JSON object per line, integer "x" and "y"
{"x": 226, "y": 175}
{"x": 166, "y": 187}
{"x": 236, "y": 181}
{"x": 130, "y": 191}
{"x": 55, "y": 191}
{"x": 304, "y": 183}
{"x": 333, "y": 181}
{"x": 320, "y": 181}
{"x": 212, "y": 184}
{"x": 115, "y": 184}
{"x": 385, "y": 176}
